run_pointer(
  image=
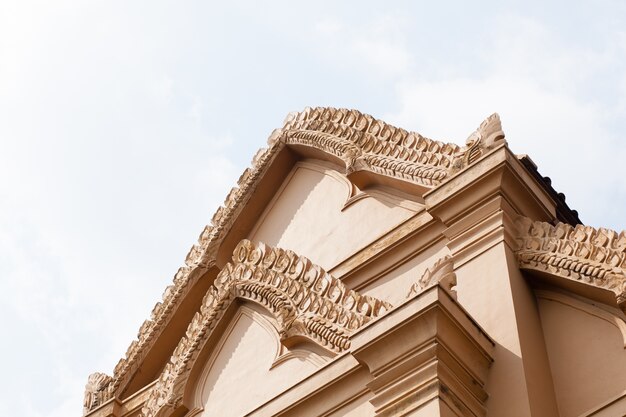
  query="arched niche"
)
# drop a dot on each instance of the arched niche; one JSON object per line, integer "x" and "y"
{"x": 248, "y": 353}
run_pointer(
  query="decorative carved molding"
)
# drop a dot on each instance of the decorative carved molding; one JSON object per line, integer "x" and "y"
{"x": 95, "y": 390}
{"x": 582, "y": 253}
{"x": 442, "y": 272}
{"x": 488, "y": 136}
{"x": 304, "y": 299}
{"x": 367, "y": 144}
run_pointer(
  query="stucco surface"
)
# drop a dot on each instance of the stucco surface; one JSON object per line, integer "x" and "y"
{"x": 239, "y": 375}
{"x": 308, "y": 216}
{"x": 586, "y": 355}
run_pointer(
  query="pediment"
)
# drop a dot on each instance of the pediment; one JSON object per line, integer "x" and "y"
{"x": 330, "y": 182}
{"x": 284, "y": 306}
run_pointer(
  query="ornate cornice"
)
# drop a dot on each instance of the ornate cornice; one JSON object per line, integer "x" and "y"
{"x": 581, "y": 253}
{"x": 442, "y": 272}
{"x": 304, "y": 299}
{"x": 362, "y": 142}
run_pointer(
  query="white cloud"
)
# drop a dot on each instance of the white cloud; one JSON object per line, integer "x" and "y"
{"x": 565, "y": 137}
{"x": 123, "y": 125}
{"x": 375, "y": 48}
{"x": 68, "y": 299}
{"x": 534, "y": 83}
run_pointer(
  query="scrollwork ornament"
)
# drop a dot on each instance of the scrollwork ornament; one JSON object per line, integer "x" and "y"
{"x": 488, "y": 136}
{"x": 95, "y": 390}
{"x": 442, "y": 273}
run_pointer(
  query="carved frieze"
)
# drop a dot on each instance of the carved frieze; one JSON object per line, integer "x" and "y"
{"x": 581, "y": 253}
{"x": 304, "y": 299}
{"x": 365, "y": 143}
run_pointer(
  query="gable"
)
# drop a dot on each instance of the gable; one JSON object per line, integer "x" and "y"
{"x": 308, "y": 306}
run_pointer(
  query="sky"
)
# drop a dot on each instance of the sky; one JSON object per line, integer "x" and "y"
{"x": 123, "y": 124}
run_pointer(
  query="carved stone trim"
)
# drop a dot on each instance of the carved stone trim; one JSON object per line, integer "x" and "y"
{"x": 304, "y": 299}
{"x": 488, "y": 136}
{"x": 200, "y": 258}
{"x": 95, "y": 390}
{"x": 367, "y": 144}
{"x": 442, "y": 272}
{"x": 582, "y": 253}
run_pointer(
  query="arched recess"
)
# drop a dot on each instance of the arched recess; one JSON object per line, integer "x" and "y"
{"x": 584, "y": 342}
{"x": 305, "y": 303}
{"x": 248, "y": 352}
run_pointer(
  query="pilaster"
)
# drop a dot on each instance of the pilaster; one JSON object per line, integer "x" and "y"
{"x": 427, "y": 357}
{"x": 478, "y": 207}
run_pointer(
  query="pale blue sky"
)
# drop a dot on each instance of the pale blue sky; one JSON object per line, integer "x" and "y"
{"x": 124, "y": 123}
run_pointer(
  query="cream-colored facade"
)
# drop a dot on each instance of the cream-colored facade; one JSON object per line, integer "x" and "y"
{"x": 362, "y": 270}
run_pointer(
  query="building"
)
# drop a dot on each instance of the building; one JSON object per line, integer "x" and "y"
{"x": 359, "y": 270}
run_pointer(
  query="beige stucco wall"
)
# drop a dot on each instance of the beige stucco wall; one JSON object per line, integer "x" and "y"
{"x": 507, "y": 340}
{"x": 310, "y": 215}
{"x": 249, "y": 366}
{"x": 586, "y": 350}
{"x": 393, "y": 286}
